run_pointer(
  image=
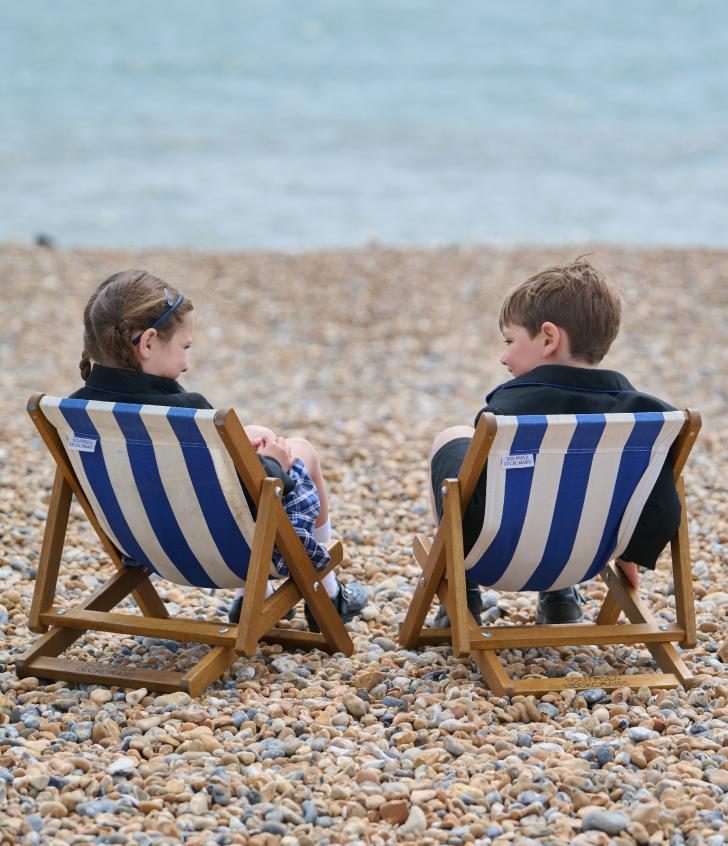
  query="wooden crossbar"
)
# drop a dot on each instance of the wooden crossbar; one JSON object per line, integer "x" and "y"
{"x": 539, "y": 687}
{"x": 92, "y": 672}
{"x": 544, "y": 637}
{"x": 183, "y": 629}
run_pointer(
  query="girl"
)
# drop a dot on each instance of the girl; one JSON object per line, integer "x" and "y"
{"x": 137, "y": 332}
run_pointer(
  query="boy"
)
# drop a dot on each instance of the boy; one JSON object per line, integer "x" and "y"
{"x": 558, "y": 325}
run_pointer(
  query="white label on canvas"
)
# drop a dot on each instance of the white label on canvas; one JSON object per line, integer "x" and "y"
{"x": 82, "y": 444}
{"x": 511, "y": 462}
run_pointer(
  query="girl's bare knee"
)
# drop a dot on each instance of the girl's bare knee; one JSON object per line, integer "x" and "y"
{"x": 255, "y": 433}
{"x": 304, "y": 450}
{"x": 451, "y": 434}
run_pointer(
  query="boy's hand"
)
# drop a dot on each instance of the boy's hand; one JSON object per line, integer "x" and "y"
{"x": 276, "y": 448}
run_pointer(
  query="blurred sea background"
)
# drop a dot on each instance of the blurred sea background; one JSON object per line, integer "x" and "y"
{"x": 280, "y": 125}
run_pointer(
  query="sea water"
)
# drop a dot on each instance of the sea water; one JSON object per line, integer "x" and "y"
{"x": 300, "y": 125}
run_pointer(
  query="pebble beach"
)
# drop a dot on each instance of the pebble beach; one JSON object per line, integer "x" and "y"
{"x": 368, "y": 353}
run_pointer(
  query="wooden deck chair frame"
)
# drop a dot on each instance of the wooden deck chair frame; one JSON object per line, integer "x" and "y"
{"x": 61, "y": 627}
{"x": 443, "y": 573}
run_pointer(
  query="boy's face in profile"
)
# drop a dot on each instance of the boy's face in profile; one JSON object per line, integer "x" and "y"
{"x": 523, "y": 352}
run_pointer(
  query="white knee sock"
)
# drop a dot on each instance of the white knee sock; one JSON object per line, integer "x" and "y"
{"x": 322, "y": 533}
{"x": 331, "y": 584}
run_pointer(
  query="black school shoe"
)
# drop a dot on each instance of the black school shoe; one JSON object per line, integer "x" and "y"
{"x": 349, "y": 601}
{"x": 558, "y": 607}
{"x": 475, "y": 606}
{"x": 236, "y": 607}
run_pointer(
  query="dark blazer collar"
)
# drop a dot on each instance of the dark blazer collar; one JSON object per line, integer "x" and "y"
{"x": 115, "y": 380}
{"x": 574, "y": 378}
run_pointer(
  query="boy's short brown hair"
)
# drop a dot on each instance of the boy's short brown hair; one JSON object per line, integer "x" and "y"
{"x": 575, "y": 298}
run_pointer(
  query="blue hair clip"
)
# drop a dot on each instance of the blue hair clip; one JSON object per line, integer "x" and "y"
{"x": 173, "y": 306}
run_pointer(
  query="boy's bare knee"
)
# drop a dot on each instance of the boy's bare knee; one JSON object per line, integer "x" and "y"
{"x": 450, "y": 434}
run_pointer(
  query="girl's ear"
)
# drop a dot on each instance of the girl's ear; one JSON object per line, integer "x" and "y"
{"x": 552, "y": 338}
{"x": 143, "y": 349}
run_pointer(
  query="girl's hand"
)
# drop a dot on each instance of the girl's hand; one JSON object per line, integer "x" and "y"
{"x": 276, "y": 448}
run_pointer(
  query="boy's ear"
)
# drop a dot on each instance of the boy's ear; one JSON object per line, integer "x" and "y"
{"x": 553, "y": 338}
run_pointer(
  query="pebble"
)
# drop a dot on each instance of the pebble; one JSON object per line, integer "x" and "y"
{"x": 100, "y": 696}
{"x": 416, "y": 821}
{"x": 603, "y": 755}
{"x": 640, "y": 735}
{"x": 610, "y": 822}
{"x": 548, "y": 709}
{"x": 310, "y": 814}
{"x": 719, "y": 778}
{"x": 52, "y": 809}
{"x": 396, "y": 811}
{"x": 124, "y": 765}
{"x": 490, "y": 598}
{"x": 356, "y": 706}
{"x": 594, "y": 695}
{"x": 453, "y": 746}
{"x": 95, "y": 807}
{"x": 134, "y": 697}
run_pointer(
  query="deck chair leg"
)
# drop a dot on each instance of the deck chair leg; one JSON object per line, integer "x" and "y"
{"x": 284, "y": 598}
{"x": 309, "y": 584}
{"x": 149, "y": 601}
{"x": 57, "y": 639}
{"x": 486, "y": 660}
{"x": 42, "y": 659}
{"x": 54, "y": 536}
{"x": 455, "y": 566}
{"x": 51, "y": 551}
{"x": 249, "y": 631}
{"x": 664, "y": 653}
{"x": 208, "y": 670}
{"x": 434, "y": 569}
{"x": 145, "y": 595}
{"x": 492, "y": 671}
{"x": 683, "y": 576}
{"x": 610, "y": 610}
{"x": 303, "y": 574}
{"x": 433, "y": 565}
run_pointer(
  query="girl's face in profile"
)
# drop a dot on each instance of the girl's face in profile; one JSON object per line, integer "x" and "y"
{"x": 167, "y": 357}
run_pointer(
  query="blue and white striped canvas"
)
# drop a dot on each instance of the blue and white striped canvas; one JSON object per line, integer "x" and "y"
{"x": 162, "y": 485}
{"x": 564, "y": 494}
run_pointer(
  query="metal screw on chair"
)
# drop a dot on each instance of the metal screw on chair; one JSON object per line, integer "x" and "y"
{"x": 486, "y": 633}
{"x": 277, "y": 491}
{"x": 61, "y": 610}
{"x": 223, "y": 630}
{"x": 422, "y": 581}
{"x": 315, "y": 585}
{"x": 664, "y": 627}
{"x": 443, "y": 490}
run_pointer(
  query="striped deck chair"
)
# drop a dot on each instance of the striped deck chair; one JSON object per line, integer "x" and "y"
{"x": 563, "y": 496}
{"x": 162, "y": 488}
